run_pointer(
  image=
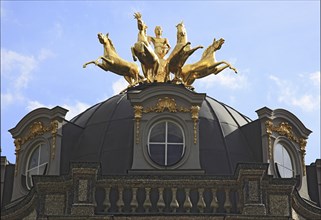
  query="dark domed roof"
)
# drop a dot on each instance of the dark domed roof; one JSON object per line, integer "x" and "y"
{"x": 104, "y": 133}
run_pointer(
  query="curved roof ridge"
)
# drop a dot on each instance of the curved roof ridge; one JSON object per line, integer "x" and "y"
{"x": 226, "y": 105}
{"x": 222, "y": 133}
{"x": 103, "y": 139}
{"x": 97, "y": 106}
{"x": 74, "y": 119}
{"x": 223, "y": 106}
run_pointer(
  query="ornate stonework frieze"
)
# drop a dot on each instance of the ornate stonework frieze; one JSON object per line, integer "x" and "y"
{"x": 284, "y": 129}
{"x": 35, "y": 130}
{"x": 165, "y": 104}
{"x": 194, "y": 111}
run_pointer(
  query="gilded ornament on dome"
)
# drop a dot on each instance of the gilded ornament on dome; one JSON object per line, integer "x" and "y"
{"x": 36, "y": 129}
{"x": 151, "y": 51}
{"x": 166, "y": 103}
{"x": 284, "y": 129}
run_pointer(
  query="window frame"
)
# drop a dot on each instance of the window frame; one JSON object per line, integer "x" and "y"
{"x": 281, "y": 164}
{"x": 166, "y": 143}
{"x": 37, "y": 145}
{"x": 293, "y": 153}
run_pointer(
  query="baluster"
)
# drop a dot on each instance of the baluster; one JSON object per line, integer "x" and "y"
{"x": 107, "y": 200}
{"x": 174, "y": 203}
{"x": 134, "y": 202}
{"x": 201, "y": 203}
{"x": 214, "y": 203}
{"x": 187, "y": 203}
{"x": 94, "y": 200}
{"x": 161, "y": 202}
{"x": 147, "y": 202}
{"x": 227, "y": 203}
{"x": 239, "y": 203}
{"x": 120, "y": 203}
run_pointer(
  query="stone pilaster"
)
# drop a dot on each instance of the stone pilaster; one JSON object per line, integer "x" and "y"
{"x": 84, "y": 181}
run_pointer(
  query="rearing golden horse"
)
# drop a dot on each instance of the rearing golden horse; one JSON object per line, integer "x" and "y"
{"x": 181, "y": 52}
{"x": 206, "y": 65}
{"x": 112, "y": 62}
{"x": 143, "y": 51}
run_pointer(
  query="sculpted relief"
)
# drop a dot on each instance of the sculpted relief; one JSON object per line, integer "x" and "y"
{"x": 151, "y": 51}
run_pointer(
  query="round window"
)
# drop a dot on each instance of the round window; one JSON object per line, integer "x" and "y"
{"x": 37, "y": 163}
{"x": 166, "y": 143}
{"x": 283, "y": 161}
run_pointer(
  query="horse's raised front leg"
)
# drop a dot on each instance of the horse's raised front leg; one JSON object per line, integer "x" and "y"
{"x": 96, "y": 62}
{"x": 216, "y": 68}
{"x": 230, "y": 66}
{"x": 233, "y": 68}
{"x": 90, "y": 62}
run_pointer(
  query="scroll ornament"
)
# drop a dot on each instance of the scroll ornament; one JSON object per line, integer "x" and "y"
{"x": 166, "y": 104}
{"x": 35, "y": 130}
{"x": 284, "y": 129}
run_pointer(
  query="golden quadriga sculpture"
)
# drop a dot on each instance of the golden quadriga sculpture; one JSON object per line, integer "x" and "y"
{"x": 150, "y": 51}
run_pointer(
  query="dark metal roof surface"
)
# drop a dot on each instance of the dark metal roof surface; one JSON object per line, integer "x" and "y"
{"x": 107, "y": 134}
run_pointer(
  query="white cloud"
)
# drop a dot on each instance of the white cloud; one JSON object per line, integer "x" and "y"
{"x": 32, "y": 105}
{"x": 306, "y": 102}
{"x": 10, "y": 61}
{"x": 290, "y": 93}
{"x": 74, "y": 109}
{"x": 45, "y": 54}
{"x": 226, "y": 79}
{"x": 17, "y": 72}
{"x": 6, "y": 99}
{"x": 119, "y": 86}
{"x": 315, "y": 77}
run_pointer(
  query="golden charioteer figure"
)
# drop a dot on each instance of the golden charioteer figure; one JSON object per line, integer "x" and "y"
{"x": 150, "y": 52}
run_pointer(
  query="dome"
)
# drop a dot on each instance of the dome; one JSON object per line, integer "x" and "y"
{"x": 104, "y": 133}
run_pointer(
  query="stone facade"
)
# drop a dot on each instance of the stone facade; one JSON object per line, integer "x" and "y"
{"x": 249, "y": 194}
{"x": 226, "y": 167}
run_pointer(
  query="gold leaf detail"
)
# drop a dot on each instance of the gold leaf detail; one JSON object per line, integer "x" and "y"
{"x": 284, "y": 129}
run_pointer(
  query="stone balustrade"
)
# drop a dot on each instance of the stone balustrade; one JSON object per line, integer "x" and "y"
{"x": 84, "y": 192}
{"x": 167, "y": 194}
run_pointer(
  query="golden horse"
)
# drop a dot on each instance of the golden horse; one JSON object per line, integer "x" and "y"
{"x": 113, "y": 63}
{"x": 206, "y": 65}
{"x": 144, "y": 52}
{"x": 181, "y": 52}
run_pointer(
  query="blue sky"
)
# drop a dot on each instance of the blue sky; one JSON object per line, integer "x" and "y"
{"x": 275, "y": 45}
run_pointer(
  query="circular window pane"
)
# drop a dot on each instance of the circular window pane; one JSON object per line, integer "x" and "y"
{"x": 174, "y": 153}
{"x": 34, "y": 159}
{"x": 37, "y": 163}
{"x": 175, "y": 135}
{"x": 166, "y": 143}
{"x": 283, "y": 161}
{"x": 157, "y": 153}
{"x": 158, "y": 133}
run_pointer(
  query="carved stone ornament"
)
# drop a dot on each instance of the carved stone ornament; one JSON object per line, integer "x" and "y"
{"x": 284, "y": 129}
{"x": 35, "y": 130}
{"x": 166, "y": 104}
{"x": 150, "y": 51}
